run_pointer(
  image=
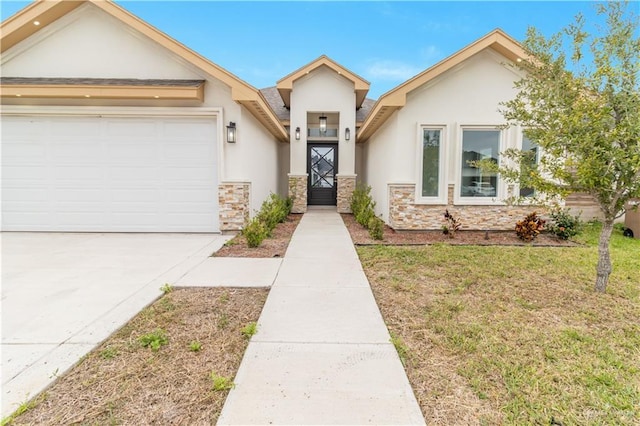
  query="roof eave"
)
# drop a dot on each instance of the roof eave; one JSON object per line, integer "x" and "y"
{"x": 396, "y": 98}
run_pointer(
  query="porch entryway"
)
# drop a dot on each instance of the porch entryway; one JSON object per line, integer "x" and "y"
{"x": 322, "y": 166}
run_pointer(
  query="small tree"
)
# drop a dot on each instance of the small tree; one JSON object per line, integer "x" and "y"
{"x": 585, "y": 120}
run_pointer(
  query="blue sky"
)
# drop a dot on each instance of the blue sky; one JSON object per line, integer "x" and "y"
{"x": 386, "y": 43}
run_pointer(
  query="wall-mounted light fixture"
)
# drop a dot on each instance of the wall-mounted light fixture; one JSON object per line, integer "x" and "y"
{"x": 231, "y": 132}
{"x": 323, "y": 124}
{"x": 297, "y": 133}
{"x": 347, "y": 134}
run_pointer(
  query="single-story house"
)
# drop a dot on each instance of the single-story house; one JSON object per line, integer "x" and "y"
{"x": 108, "y": 124}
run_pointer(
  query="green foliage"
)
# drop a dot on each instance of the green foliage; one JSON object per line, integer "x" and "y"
{"x": 166, "y": 288}
{"x": 376, "y": 228}
{"x": 195, "y": 346}
{"x": 274, "y": 210}
{"x": 363, "y": 208}
{"x": 109, "y": 352}
{"x": 154, "y": 340}
{"x": 530, "y": 227}
{"x": 586, "y": 121}
{"x": 23, "y": 408}
{"x": 255, "y": 232}
{"x": 401, "y": 348}
{"x": 452, "y": 224}
{"x": 221, "y": 383}
{"x": 249, "y": 329}
{"x": 563, "y": 224}
{"x": 362, "y": 205}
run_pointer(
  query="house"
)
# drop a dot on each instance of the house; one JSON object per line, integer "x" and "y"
{"x": 110, "y": 125}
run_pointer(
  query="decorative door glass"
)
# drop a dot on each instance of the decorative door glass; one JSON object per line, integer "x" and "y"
{"x": 322, "y": 166}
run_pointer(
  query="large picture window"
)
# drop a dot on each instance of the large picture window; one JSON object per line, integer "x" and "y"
{"x": 479, "y": 145}
{"x": 531, "y": 151}
{"x": 431, "y": 141}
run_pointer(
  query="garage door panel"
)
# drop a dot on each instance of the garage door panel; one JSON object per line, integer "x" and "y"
{"x": 110, "y": 174}
{"x": 191, "y": 195}
{"x": 120, "y": 129}
{"x": 24, "y": 152}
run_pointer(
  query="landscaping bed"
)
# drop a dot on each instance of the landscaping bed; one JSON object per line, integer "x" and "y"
{"x": 360, "y": 236}
{"x": 273, "y": 246}
{"x": 191, "y": 334}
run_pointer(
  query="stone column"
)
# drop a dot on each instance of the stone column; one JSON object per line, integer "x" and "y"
{"x": 298, "y": 192}
{"x": 346, "y": 186}
{"x": 233, "y": 199}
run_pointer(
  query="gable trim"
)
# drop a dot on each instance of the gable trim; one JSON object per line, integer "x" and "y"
{"x": 285, "y": 84}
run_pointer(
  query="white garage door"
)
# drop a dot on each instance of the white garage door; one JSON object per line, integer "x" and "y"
{"x": 70, "y": 173}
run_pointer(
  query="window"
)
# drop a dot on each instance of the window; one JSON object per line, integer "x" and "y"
{"x": 531, "y": 150}
{"x": 479, "y": 145}
{"x": 431, "y": 162}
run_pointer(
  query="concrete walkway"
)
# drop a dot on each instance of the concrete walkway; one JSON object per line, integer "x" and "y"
{"x": 322, "y": 353}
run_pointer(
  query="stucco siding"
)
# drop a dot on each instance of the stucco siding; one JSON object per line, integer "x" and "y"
{"x": 323, "y": 90}
{"x": 467, "y": 95}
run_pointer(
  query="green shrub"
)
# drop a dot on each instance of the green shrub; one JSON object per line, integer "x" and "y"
{"x": 376, "y": 228}
{"x": 255, "y": 232}
{"x": 529, "y": 228}
{"x": 274, "y": 210}
{"x": 362, "y": 205}
{"x": 563, "y": 224}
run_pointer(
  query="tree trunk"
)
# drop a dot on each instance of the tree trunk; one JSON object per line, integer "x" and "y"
{"x": 604, "y": 259}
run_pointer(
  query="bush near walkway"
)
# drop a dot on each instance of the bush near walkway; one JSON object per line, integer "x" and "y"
{"x": 274, "y": 210}
{"x": 363, "y": 208}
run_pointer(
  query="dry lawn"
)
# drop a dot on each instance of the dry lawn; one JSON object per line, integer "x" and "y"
{"x": 123, "y": 382}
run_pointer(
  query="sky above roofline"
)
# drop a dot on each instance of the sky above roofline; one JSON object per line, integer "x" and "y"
{"x": 385, "y": 43}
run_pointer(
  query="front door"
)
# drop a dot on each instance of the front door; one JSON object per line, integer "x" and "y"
{"x": 322, "y": 164}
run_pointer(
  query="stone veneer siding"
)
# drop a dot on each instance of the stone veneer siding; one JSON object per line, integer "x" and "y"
{"x": 404, "y": 214}
{"x": 346, "y": 186}
{"x": 298, "y": 192}
{"x": 234, "y": 206}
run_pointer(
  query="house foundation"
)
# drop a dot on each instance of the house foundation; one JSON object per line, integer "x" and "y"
{"x": 405, "y": 214}
{"x": 298, "y": 192}
{"x": 346, "y": 186}
{"x": 233, "y": 199}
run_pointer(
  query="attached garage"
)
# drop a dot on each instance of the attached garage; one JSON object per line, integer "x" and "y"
{"x": 109, "y": 173}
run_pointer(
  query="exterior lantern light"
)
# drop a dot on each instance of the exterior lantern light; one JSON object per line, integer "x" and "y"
{"x": 347, "y": 134}
{"x": 297, "y": 133}
{"x": 231, "y": 132}
{"x": 323, "y": 124}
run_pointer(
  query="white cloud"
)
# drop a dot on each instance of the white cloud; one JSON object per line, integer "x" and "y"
{"x": 430, "y": 54}
{"x": 391, "y": 70}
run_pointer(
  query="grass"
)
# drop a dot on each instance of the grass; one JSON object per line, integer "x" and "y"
{"x": 514, "y": 335}
{"x": 250, "y": 329}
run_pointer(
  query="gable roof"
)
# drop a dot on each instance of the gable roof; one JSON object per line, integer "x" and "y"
{"x": 41, "y": 13}
{"x": 285, "y": 84}
{"x": 396, "y": 98}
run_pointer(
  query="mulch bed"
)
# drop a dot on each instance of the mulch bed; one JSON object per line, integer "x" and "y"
{"x": 274, "y": 246}
{"x": 360, "y": 236}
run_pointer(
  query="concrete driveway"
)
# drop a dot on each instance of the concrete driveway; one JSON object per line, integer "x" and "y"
{"x": 62, "y": 294}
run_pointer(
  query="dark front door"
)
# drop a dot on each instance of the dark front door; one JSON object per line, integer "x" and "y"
{"x": 322, "y": 164}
